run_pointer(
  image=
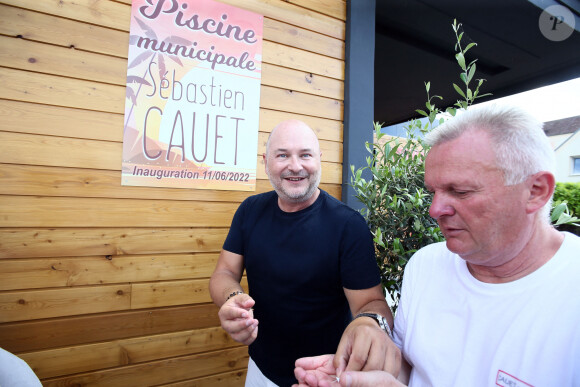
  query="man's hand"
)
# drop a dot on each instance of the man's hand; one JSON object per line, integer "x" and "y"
{"x": 237, "y": 318}
{"x": 319, "y": 371}
{"x": 369, "y": 379}
{"x": 315, "y": 371}
{"x": 364, "y": 346}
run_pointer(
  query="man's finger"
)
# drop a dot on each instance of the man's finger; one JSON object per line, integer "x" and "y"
{"x": 313, "y": 362}
{"x": 393, "y": 362}
{"x": 360, "y": 353}
{"x": 375, "y": 359}
{"x": 341, "y": 357}
{"x": 371, "y": 378}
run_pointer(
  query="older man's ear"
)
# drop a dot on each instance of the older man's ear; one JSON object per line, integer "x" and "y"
{"x": 541, "y": 187}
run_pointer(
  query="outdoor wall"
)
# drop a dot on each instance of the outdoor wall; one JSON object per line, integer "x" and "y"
{"x": 103, "y": 284}
{"x": 566, "y": 151}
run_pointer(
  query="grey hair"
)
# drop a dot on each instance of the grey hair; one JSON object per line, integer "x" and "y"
{"x": 520, "y": 145}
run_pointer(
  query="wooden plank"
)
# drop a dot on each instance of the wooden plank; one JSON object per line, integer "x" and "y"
{"x": 92, "y": 357}
{"x": 296, "y": 102}
{"x": 54, "y": 90}
{"x": 78, "y": 182}
{"x": 302, "y": 81}
{"x": 71, "y": 242}
{"x": 324, "y": 128}
{"x": 46, "y": 303}
{"x": 334, "y": 8}
{"x": 117, "y": 16}
{"x": 227, "y": 379}
{"x": 77, "y": 35}
{"x": 25, "y": 117}
{"x": 28, "y": 149}
{"x": 45, "y": 28}
{"x": 28, "y": 211}
{"x": 53, "y": 181}
{"x": 48, "y": 59}
{"x": 295, "y": 58}
{"x": 293, "y": 36}
{"x": 105, "y": 13}
{"x": 27, "y": 336}
{"x": 160, "y": 372}
{"x": 171, "y": 293}
{"x": 20, "y": 148}
{"x": 31, "y": 180}
{"x": 291, "y": 14}
{"x": 32, "y": 118}
{"x": 77, "y": 271}
{"x": 43, "y": 58}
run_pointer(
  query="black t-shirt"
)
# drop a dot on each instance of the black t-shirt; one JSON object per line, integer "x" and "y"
{"x": 297, "y": 265}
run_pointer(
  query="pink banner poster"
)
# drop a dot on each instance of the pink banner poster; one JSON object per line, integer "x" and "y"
{"x": 193, "y": 95}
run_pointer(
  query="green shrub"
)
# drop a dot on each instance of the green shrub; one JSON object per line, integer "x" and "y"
{"x": 567, "y": 207}
{"x": 570, "y": 193}
{"x": 396, "y": 202}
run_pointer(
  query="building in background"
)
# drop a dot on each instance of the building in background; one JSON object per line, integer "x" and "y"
{"x": 564, "y": 136}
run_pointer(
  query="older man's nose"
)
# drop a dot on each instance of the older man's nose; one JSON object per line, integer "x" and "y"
{"x": 440, "y": 206}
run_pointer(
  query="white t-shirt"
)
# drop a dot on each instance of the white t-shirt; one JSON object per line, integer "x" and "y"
{"x": 14, "y": 372}
{"x": 458, "y": 331}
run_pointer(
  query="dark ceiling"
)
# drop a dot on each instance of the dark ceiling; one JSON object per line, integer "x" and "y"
{"x": 415, "y": 43}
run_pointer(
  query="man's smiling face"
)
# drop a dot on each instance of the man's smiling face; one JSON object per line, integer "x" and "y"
{"x": 292, "y": 162}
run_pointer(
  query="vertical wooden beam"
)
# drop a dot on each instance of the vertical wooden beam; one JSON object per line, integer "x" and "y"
{"x": 358, "y": 90}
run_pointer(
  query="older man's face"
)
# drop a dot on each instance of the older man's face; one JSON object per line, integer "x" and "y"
{"x": 482, "y": 220}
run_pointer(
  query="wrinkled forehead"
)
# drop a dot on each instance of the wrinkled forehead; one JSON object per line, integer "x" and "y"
{"x": 464, "y": 157}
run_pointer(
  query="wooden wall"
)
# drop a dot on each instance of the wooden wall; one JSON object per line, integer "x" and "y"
{"x": 103, "y": 284}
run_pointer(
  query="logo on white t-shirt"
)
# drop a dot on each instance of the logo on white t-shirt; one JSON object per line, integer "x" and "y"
{"x": 504, "y": 379}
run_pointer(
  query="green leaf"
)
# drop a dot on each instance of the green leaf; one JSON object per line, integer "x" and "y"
{"x": 461, "y": 60}
{"x": 378, "y": 239}
{"x": 432, "y": 117}
{"x": 469, "y": 46}
{"x": 471, "y": 73}
{"x": 458, "y": 90}
{"x": 421, "y": 112}
{"x": 557, "y": 211}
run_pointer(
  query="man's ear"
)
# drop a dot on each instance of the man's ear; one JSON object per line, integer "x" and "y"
{"x": 541, "y": 186}
{"x": 265, "y": 162}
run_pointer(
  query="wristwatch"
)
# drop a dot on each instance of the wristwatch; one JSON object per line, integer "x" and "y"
{"x": 380, "y": 320}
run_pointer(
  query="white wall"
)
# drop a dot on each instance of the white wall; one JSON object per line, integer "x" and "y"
{"x": 564, "y": 154}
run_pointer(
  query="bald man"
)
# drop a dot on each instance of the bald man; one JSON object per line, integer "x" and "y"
{"x": 310, "y": 265}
